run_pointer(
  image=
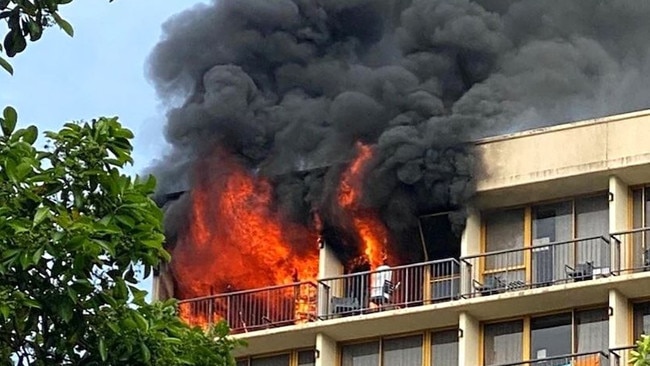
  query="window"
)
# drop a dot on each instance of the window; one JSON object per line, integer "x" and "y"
{"x": 280, "y": 360}
{"x": 641, "y": 219}
{"x": 404, "y": 351}
{"x": 550, "y": 336}
{"x": 641, "y": 319}
{"x": 300, "y": 358}
{"x": 591, "y": 330}
{"x": 559, "y": 242}
{"x": 444, "y": 348}
{"x": 572, "y": 332}
{"x": 362, "y": 354}
{"x": 503, "y": 342}
{"x": 306, "y": 358}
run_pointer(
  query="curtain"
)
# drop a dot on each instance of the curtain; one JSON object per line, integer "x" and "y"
{"x": 552, "y": 223}
{"x": 592, "y": 219}
{"x": 504, "y": 230}
{"x": 281, "y": 360}
{"x": 592, "y": 330}
{"x": 503, "y": 342}
{"x": 363, "y": 354}
{"x": 444, "y": 348}
{"x": 405, "y": 351}
{"x": 306, "y": 358}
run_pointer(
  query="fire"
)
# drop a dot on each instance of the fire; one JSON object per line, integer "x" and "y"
{"x": 236, "y": 240}
{"x": 367, "y": 224}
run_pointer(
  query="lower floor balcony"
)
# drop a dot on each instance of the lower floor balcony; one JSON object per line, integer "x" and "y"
{"x": 579, "y": 359}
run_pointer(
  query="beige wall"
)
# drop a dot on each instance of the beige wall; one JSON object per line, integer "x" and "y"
{"x": 571, "y": 158}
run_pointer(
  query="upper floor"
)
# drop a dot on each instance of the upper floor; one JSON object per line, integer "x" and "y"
{"x": 557, "y": 209}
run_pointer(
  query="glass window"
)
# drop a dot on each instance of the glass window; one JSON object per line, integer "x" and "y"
{"x": 550, "y": 336}
{"x": 592, "y": 330}
{"x": 280, "y": 360}
{"x": 242, "y": 363}
{"x": 306, "y": 358}
{"x": 592, "y": 216}
{"x": 641, "y": 219}
{"x": 552, "y": 223}
{"x": 444, "y": 348}
{"x": 504, "y": 230}
{"x": 503, "y": 342}
{"x": 405, "y": 351}
{"x": 363, "y": 354}
{"x": 641, "y": 319}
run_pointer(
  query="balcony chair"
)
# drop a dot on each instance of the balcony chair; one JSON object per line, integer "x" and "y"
{"x": 387, "y": 291}
{"x": 491, "y": 285}
{"x": 345, "y": 305}
{"x": 581, "y": 272}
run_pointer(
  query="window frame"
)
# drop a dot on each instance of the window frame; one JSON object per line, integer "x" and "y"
{"x": 427, "y": 337}
{"x": 526, "y": 329}
{"x": 528, "y": 232}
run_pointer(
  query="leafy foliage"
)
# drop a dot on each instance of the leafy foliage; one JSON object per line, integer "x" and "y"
{"x": 26, "y": 20}
{"x": 641, "y": 355}
{"x": 73, "y": 233}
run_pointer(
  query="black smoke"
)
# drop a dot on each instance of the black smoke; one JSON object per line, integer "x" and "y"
{"x": 290, "y": 86}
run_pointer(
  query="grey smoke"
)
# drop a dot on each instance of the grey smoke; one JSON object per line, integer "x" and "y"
{"x": 291, "y": 85}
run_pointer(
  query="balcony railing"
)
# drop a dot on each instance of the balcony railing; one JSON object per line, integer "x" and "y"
{"x": 254, "y": 309}
{"x": 538, "y": 266}
{"x": 636, "y": 244}
{"x": 397, "y": 287}
{"x": 620, "y": 356}
{"x": 577, "y": 359}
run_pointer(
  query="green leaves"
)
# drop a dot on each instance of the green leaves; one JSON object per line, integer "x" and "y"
{"x": 6, "y": 65}
{"x": 8, "y": 123}
{"x": 63, "y": 24}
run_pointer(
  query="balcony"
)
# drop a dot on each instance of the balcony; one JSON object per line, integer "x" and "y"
{"x": 394, "y": 288}
{"x": 620, "y": 356}
{"x": 538, "y": 266}
{"x": 257, "y": 309}
{"x": 578, "y": 359}
{"x": 637, "y": 244}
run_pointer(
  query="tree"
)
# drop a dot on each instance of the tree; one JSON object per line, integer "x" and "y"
{"x": 640, "y": 356}
{"x": 74, "y": 231}
{"x": 26, "y": 20}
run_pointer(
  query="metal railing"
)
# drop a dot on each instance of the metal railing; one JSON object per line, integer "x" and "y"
{"x": 635, "y": 246}
{"x": 619, "y": 356}
{"x": 537, "y": 266}
{"x": 576, "y": 359}
{"x": 254, "y": 309}
{"x": 397, "y": 287}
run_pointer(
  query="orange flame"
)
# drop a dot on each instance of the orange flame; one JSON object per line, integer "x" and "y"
{"x": 236, "y": 240}
{"x": 367, "y": 224}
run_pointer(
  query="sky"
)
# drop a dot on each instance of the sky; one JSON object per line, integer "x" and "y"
{"x": 101, "y": 71}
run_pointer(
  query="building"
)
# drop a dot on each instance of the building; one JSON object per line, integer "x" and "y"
{"x": 553, "y": 265}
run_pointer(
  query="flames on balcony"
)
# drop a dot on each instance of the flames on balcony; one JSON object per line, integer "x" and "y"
{"x": 237, "y": 240}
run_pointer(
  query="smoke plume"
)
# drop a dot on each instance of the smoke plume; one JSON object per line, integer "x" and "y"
{"x": 290, "y": 86}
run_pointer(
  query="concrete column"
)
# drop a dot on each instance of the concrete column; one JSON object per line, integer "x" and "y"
{"x": 326, "y": 351}
{"x": 470, "y": 244}
{"x": 468, "y": 344}
{"x": 328, "y": 266}
{"x": 618, "y": 220}
{"x": 619, "y": 325}
{"x": 162, "y": 284}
